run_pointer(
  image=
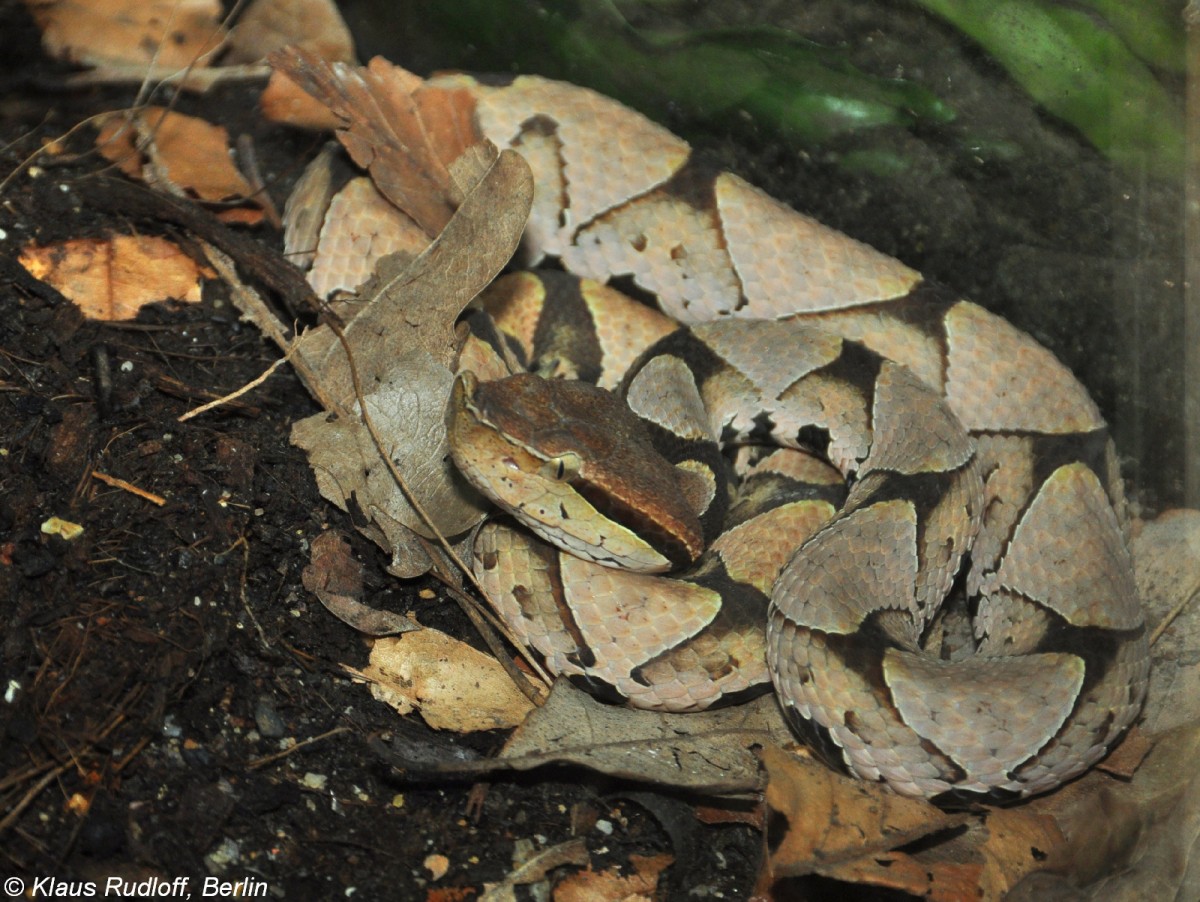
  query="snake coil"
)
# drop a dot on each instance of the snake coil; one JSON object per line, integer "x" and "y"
{"x": 926, "y": 449}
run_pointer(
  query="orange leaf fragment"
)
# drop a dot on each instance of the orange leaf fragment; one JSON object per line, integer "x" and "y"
{"x": 188, "y": 154}
{"x": 111, "y": 279}
{"x": 641, "y": 886}
{"x": 824, "y": 823}
{"x": 286, "y": 102}
{"x": 173, "y": 33}
{"x": 403, "y": 132}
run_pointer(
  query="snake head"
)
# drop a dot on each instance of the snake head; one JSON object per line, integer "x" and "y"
{"x": 576, "y": 466}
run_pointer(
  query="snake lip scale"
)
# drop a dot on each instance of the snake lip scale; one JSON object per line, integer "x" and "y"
{"x": 785, "y": 471}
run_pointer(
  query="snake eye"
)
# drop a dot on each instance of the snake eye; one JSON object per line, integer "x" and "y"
{"x": 563, "y": 467}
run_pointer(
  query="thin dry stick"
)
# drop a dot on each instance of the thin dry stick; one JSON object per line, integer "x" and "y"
{"x": 249, "y": 386}
{"x": 118, "y": 483}
{"x": 275, "y": 756}
{"x": 1170, "y": 618}
{"x": 471, "y": 609}
{"x": 30, "y": 795}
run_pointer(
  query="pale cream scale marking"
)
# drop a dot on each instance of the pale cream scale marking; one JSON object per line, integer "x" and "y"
{"x": 753, "y": 383}
{"x": 1008, "y": 463}
{"x": 360, "y": 227}
{"x": 702, "y": 670}
{"x": 755, "y": 552}
{"x": 826, "y": 588}
{"x": 641, "y": 617}
{"x": 533, "y": 617}
{"x": 623, "y": 328}
{"x": 834, "y": 405}
{"x": 480, "y": 358}
{"x": 779, "y": 253}
{"x": 665, "y": 393}
{"x": 914, "y": 431}
{"x": 679, "y": 683}
{"x": 954, "y": 705}
{"x": 1027, "y": 389}
{"x": 635, "y": 156}
{"x": 756, "y": 349}
{"x": 795, "y": 464}
{"x": 947, "y": 534}
{"x": 543, "y": 235}
{"x": 514, "y": 303}
{"x": 888, "y": 337}
{"x": 1007, "y": 623}
{"x": 879, "y": 745}
{"x": 665, "y": 246}
{"x": 1084, "y": 573}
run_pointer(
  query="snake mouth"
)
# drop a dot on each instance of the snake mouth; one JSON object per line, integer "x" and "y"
{"x": 657, "y": 535}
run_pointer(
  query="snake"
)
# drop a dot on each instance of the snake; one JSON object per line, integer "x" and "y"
{"x": 802, "y": 466}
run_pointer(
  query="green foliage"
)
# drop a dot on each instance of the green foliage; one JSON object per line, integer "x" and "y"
{"x": 1092, "y": 64}
{"x": 1089, "y": 68}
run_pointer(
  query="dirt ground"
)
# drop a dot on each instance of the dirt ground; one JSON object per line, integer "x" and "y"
{"x": 156, "y": 668}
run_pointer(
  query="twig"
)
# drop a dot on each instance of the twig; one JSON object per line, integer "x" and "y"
{"x": 118, "y": 483}
{"x": 1171, "y": 615}
{"x": 275, "y": 756}
{"x": 30, "y": 795}
{"x": 249, "y": 386}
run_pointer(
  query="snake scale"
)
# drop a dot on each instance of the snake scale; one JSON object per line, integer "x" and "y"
{"x": 927, "y": 450}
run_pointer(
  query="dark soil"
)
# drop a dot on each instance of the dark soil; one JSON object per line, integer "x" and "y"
{"x": 155, "y": 667}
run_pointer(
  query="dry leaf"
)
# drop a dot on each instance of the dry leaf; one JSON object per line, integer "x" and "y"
{"x": 535, "y": 868}
{"x": 407, "y": 407}
{"x": 410, "y": 305}
{"x": 820, "y": 821}
{"x": 709, "y": 753}
{"x": 111, "y": 279}
{"x": 176, "y": 153}
{"x": 286, "y": 102}
{"x": 335, "y": 577}
{"x": 267, "y": 25}
{"x": 305, "y": 209}
{"x": 437, "y": 865}
{"x": 997, "y": 850}
{"x": 399, "y": 330}
{"x": 1130, "y": 841}
{"x": 171, "y": 33}
{"x": 64, "y": 529}
{"x": 403, "y": 341}
{"x": 640, "y": 886}
{"x": 1166, "y": 554}
{"x": 454, "y": 686}
{"x": 405, "y": 143}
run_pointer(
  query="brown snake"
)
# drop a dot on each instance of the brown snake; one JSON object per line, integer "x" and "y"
{"x": 930, "y": 451}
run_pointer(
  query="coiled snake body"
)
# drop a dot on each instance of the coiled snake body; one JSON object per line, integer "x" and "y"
{"x": 973, "y": 459}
